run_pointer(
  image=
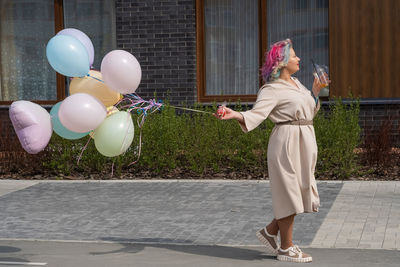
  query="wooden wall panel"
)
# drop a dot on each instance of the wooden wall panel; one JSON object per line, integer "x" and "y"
{"x": 363, "y": 48}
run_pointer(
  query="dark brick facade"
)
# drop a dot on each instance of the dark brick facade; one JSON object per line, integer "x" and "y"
{"x": 6, "y": 128}
{"x": 161, "y": 34}
{"x": 5, "y": 123}
{"x": 374, "y": 116}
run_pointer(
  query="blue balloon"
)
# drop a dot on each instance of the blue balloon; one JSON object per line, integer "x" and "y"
{"x": 60, "y": 129}
{"x": 68, "y": 56}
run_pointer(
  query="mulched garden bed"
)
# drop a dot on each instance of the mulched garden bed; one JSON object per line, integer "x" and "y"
{"x": 373, "y": 165}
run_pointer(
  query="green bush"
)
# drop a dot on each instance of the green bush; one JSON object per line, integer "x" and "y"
{"x": 338, "y": 134}
{"x": 198, "y": 142}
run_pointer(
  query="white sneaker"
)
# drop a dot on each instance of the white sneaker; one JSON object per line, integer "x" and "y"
{"x": 293, "y": 254}
{"x": 270, "y": 241}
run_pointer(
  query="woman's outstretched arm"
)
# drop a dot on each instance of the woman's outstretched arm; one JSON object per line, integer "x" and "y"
{"x": 231, "y": 114}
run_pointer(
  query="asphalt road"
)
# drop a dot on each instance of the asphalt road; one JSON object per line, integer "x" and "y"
{"x": 89, "y": 254}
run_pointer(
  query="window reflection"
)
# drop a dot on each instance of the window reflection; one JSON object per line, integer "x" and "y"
{"x": 306, "y": 23}
{"x": 25, "y": 28}
{"x": 231, "y": 47}
{"x": 96, "y": 18}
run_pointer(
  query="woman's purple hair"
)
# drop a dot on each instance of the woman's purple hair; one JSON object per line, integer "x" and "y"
{"x": 275, "y": 59}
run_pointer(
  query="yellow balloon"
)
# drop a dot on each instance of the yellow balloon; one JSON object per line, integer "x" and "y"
{"x": 95, "y": 88}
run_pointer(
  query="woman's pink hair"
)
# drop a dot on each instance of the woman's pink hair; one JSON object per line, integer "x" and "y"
{"x": 275, "y": 59}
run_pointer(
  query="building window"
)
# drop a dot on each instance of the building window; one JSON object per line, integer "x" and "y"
{"x": 25, "y": 28}
{"x": 298, "y": 5}
{"x": 96, "y": 18}
{"x": 306, "y": 23}
{"x": 233, "y": 36}
{"x": 231, "y": 47}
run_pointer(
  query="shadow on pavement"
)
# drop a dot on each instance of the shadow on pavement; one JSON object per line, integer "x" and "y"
{"x": 12, "y": 260}
{"x": 236, "y": 253}
{"x": 8, "y": 249}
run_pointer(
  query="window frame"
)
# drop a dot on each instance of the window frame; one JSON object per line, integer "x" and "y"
{"x": 60, "y": 79}
{"x": 200, "y": 55}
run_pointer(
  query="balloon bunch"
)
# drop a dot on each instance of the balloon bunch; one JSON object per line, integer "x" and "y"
{"x": 133, "y": 102}
{"x": 93, "y": 101}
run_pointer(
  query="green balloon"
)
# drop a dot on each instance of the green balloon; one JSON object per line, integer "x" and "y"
{"x": 115, "y": 134}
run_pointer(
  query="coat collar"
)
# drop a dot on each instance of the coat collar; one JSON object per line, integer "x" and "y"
{"x": 299, "y": 88}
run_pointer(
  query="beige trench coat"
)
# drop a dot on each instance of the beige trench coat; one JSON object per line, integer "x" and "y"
{"x": 292, "y": 149}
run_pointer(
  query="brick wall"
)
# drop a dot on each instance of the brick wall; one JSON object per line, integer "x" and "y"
{"x": 373, "y": 116}
{"x": 6, "y": 128}
{"x": 5, "y": 123}
{"x": 162, "y": 36}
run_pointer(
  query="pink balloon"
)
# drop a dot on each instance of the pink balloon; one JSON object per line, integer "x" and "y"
{"x": 81, "y": 113}
{"x": 121, "y": 71}
{"x": 32, "y": 124}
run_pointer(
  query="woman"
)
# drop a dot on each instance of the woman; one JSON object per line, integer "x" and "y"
{"x": 292, "y": 148}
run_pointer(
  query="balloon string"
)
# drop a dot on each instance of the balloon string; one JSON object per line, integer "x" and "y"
{"x": 140, "y": 148}
{"x": 133, "y": 102}
{"x": 137, "y": 103}
{"x": 140, "y": 122}
{"x": 94, "y": 78}
{"x": 83, "y": 149}
{"x": 189, "y": 109}
{"x": 143, "y": 108}
{"x": 124, "y": 142}
{"x": 143, "y": 101}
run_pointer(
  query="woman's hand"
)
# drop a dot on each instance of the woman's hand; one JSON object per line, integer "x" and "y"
{"x": 317, "y": 85}
{"x": 228, "y": 115}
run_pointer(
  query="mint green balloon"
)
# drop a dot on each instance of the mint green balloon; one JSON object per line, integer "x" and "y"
{"x": 115, "y": 134}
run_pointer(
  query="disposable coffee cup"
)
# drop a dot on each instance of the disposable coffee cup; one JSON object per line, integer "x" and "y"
{"x": 321, "y": 73}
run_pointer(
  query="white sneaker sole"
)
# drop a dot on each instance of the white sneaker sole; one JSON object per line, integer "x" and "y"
{"x": 291, "y": 259}
{"x": 268, "y": 246}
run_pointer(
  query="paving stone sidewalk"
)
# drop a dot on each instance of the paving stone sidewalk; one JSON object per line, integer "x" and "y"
{"x": 353, "y": 214}
{"x": 364, "y": 215}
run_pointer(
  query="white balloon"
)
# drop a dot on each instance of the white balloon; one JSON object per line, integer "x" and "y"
{"x": 81, "y": 113}
{"x": 121, "y": 71}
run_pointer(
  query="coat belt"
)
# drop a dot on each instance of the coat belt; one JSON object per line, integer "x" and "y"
{"x": 298, "y": 122}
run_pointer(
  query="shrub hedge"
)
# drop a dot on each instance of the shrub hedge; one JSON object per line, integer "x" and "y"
{"x": 198, "y": 142}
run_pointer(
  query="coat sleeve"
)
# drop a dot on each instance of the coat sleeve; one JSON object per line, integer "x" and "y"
{"x": 317, "y": 107}
{"x": 265, "y": 103}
